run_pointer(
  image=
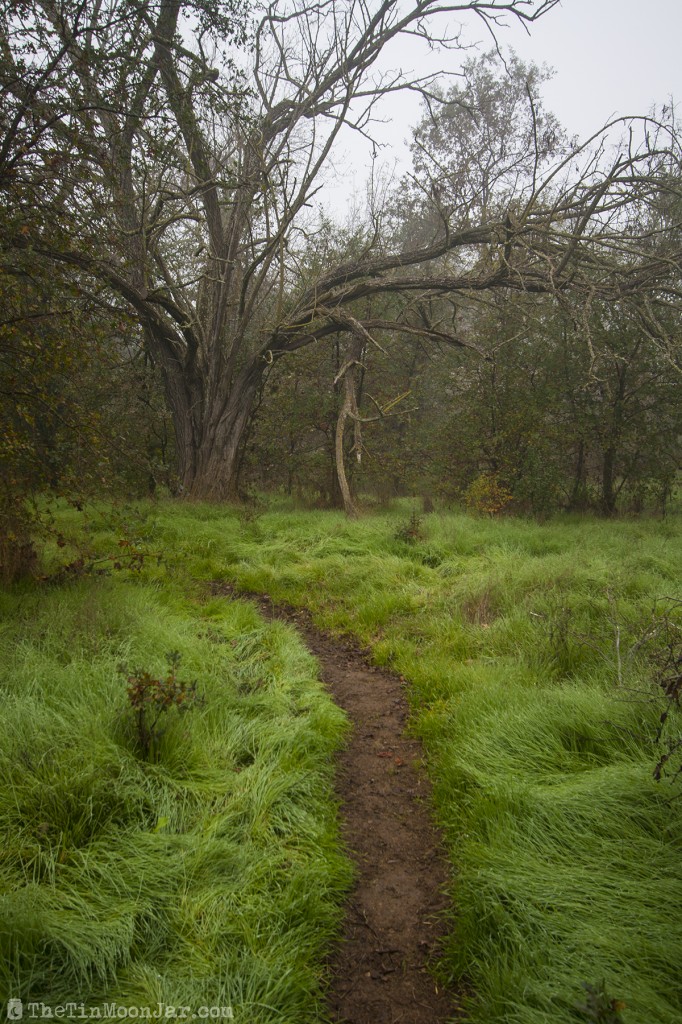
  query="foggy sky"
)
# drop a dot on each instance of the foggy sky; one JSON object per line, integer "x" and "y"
{"x": 611, "y": 57}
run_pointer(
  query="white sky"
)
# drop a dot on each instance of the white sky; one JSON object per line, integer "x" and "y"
{"x": 611, "y": 57}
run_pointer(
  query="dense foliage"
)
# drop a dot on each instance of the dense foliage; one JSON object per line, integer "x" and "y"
{"x": 505, "y": 319}
{"x": 558, "y": 410}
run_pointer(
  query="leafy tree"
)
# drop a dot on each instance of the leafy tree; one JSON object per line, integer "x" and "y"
{"x": 80, "y": 410}
{"x": 48, "y": 434}
{"x": 481, "y": 147}
{"x": 567, "y": 408}
{"x": 621, "y": 393}
{"x": 175, "y": 148}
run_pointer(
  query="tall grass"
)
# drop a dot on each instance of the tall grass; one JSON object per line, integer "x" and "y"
{"x": 211, "y": 876}
{"x": 538, "y": 724}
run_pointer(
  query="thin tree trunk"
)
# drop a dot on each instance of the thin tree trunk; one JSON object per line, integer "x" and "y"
{"x": 345, "y": 411}
{"x": 579, "y": 492}
{"x": 608, "y": 489}
{"x": 349, "y": 409}
{"x": 609, "y": 492}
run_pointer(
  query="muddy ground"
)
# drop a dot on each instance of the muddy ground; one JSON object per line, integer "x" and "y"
{"x": 396, "y": 915}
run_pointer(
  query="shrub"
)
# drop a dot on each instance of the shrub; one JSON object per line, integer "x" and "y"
{"x": 487, "y": 496}
{"x": 151, "y": 698}
{"x": 599, "y": 1007}
{"x": 411, "y": 531}
{"x": 18, "y": 556}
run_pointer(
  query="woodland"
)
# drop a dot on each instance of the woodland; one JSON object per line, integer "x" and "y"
{"x": 496, "y": 325}
{"x": 319, "y": 526}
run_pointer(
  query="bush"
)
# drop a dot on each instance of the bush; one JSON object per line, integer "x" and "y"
{"x": 18, "y": 557}
{"x": 151, "y": 698}
{"x": 487, "y": 496}
{"x": 411, "y": 531}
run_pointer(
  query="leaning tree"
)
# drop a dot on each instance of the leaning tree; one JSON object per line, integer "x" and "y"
{"x": 167, "y": 151}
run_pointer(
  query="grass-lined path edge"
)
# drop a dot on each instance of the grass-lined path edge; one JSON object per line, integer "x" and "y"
{"x": 396, "y": 915}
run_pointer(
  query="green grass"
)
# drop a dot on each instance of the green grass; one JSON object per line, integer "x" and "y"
{"x": 210, "y": 877}
{"x": 565, "y": 851}
{"x": 217, "y": 869}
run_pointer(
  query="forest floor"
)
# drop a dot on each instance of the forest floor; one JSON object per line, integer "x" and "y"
{"x": 395, "y": 920}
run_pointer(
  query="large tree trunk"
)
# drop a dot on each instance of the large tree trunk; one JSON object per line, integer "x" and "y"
{"x": 209, "y": 437}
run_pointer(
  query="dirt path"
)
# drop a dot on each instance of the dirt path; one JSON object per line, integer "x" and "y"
{"x": 394, "y": 921}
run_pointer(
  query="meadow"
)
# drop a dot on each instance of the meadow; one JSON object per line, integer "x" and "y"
{"x": 208, "y": 875}
{"x": 214, "y": 873}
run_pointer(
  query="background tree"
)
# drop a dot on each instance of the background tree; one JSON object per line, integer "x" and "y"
{"x": 480, "y": 149}
{"x": 80, "y": 410}
{"x": 170, "y": 166}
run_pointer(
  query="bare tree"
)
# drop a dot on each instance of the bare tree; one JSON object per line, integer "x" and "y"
{"x": 181, "y": 148}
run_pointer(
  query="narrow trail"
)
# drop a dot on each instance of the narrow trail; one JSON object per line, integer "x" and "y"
{"x": 395, "y": 915}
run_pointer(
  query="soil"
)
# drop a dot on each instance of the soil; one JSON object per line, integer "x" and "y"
{"x": 395, "y": 915}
